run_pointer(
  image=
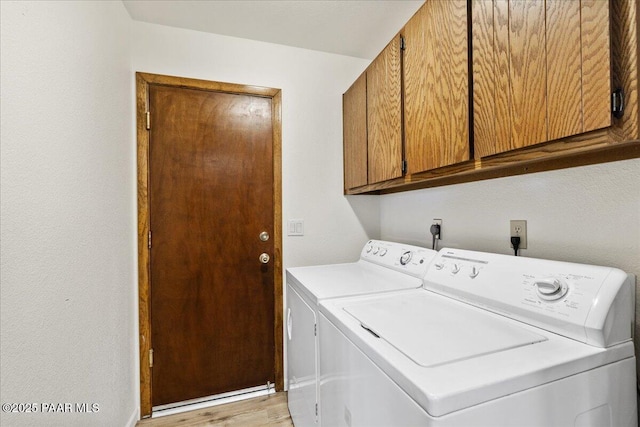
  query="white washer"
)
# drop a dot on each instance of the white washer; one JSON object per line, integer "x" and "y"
{"x": 490, "y": 340}
{"x": 382, "y": 267}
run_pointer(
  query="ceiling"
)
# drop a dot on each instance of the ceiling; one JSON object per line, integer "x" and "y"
{"x": 359, "y": 28}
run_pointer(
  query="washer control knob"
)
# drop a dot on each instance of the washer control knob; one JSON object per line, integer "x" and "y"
{"x": 474, "y": 272}
{"x": 551, "y": 288}
{"x": 383, "y": 252}
{"x": 375, "y": 250}
{"x": 369, "y": 248}
{"x": 406, "y": 257}
{"x": 439, "y": 266}
{"x": 455, "y": 268}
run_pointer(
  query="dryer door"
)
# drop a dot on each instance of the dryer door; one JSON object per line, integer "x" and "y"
{"x": 301, "y": 359}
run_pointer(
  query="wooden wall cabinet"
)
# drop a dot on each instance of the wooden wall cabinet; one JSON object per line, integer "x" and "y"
{"x": 372, "y": 122}
{"x": 354, "y": 118}
{"x": 436, "y": 84}
{"x": 384, "y": 114}
{"x": 541, "y": 71}
{"x": 494, "y": 88}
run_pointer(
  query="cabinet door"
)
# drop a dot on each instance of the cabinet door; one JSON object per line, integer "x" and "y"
{"x": 436, "y": 81}
{"x": 384, "y": 114}
{"x": 354, "y": 115}
{"x": 541, "y": 71}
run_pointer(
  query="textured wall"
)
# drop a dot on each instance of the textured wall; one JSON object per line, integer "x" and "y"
{"x": 588, "y": 214}
{"x": 68, "y": 213}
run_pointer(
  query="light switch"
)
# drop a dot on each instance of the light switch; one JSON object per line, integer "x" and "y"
{"x": 295, "y": 227}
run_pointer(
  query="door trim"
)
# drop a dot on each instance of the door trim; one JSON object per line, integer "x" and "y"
{"x": 143, "y": 80}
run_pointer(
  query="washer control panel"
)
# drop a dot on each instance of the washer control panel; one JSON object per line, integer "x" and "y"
{"x": 409, "y": 259}
{"x": 575, "y": 300}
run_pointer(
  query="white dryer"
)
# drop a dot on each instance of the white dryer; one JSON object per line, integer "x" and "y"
{"x": 491, "y": 340}
{"x": 382, "y": 267}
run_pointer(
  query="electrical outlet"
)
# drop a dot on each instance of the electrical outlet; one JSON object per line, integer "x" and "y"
{"x": 518, "y": 227}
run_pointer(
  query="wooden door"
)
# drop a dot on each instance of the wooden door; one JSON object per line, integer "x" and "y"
{"x": 384, "y": 114}
{"x": 436, "y": 82}
{"x": 211, "y": 194}
{"x": 541, "y": 71}
{"x": 354, "y": 103}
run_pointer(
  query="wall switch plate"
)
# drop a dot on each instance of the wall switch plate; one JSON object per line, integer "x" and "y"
{"x": 295, "y": 227}
{"x": 518, "y": 227}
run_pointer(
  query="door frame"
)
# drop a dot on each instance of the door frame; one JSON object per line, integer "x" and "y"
{"x": 143, "y": 80}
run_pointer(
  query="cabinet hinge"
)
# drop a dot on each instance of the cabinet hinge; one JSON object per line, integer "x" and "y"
{"x": 404, "y": 166}
{"x": 148, "y": 119}
{"x": 617, "y": 103}
{"x": 316, "y": 409}
{"x": 149, "y": 240}
{"x": 151, "y": 358}
{"x": 315, "y": 330}
{"x": 402, "y": 43}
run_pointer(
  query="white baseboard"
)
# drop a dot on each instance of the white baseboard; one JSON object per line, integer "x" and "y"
{"x": 134, "y": 418}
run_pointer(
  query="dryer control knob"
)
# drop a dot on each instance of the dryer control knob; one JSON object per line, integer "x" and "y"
{"x": 406, "y": 257}
{"x": 551, "y": 288}
{"x": 376, "y": 249}
{"x": 439, "y": 266}
{"x": 455, "y": 268}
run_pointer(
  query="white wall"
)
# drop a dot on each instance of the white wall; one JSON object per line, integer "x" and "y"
{"x": 68, "y": 265}
{"x": 312, "y": 84}
{"x": 589, "y": 214}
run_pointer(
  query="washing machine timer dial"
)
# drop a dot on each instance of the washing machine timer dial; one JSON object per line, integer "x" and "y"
{"x": 551, "y": 288}
{"x": 406, "y": 257}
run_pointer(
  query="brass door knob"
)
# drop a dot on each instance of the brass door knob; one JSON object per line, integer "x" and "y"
{"x": 264, "y": 258}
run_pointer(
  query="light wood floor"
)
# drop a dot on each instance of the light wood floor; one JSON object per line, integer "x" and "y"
{"x": 261, "y": 411}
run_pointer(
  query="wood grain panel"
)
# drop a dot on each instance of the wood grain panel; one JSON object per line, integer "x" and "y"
{"x": 437, "y": 86}
{"x": 527, "y": 72}
{"x": 144, "y": 300}
{"x": 625, "y": 54}
{"x": 453, "y": 60}
{"x": 557, "y": 155}
{"x": 620, "y": 141}
{"x": 354, "y": 115}
{"x": 211, "y": 194}
{"x": 484, "y": 78}
{"x": 278, "y": 326}
{"x": 564, "y": 80}
{"x": 143, "y": 80}
{"x": 596, "y": 64}
{"x": 502, "y": 57}
{"x": 384, "y": 114}
{"x": 419, "y": 85}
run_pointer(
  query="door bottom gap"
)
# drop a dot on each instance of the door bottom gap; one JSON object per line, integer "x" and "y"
{"x": 208, "y": 401}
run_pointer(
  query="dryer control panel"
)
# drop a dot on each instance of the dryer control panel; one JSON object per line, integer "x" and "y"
{"x": 409, "y": 259}
{"x": 588, "y": 303}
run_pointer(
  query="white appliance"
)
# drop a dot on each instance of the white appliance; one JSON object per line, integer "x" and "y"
{"x": 382, "y": 267}
{"x": 491, "y": 340}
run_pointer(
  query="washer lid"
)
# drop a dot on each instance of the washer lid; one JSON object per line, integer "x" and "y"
{"x": 340, "y": 280}
{"x": 436, "y": 334}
